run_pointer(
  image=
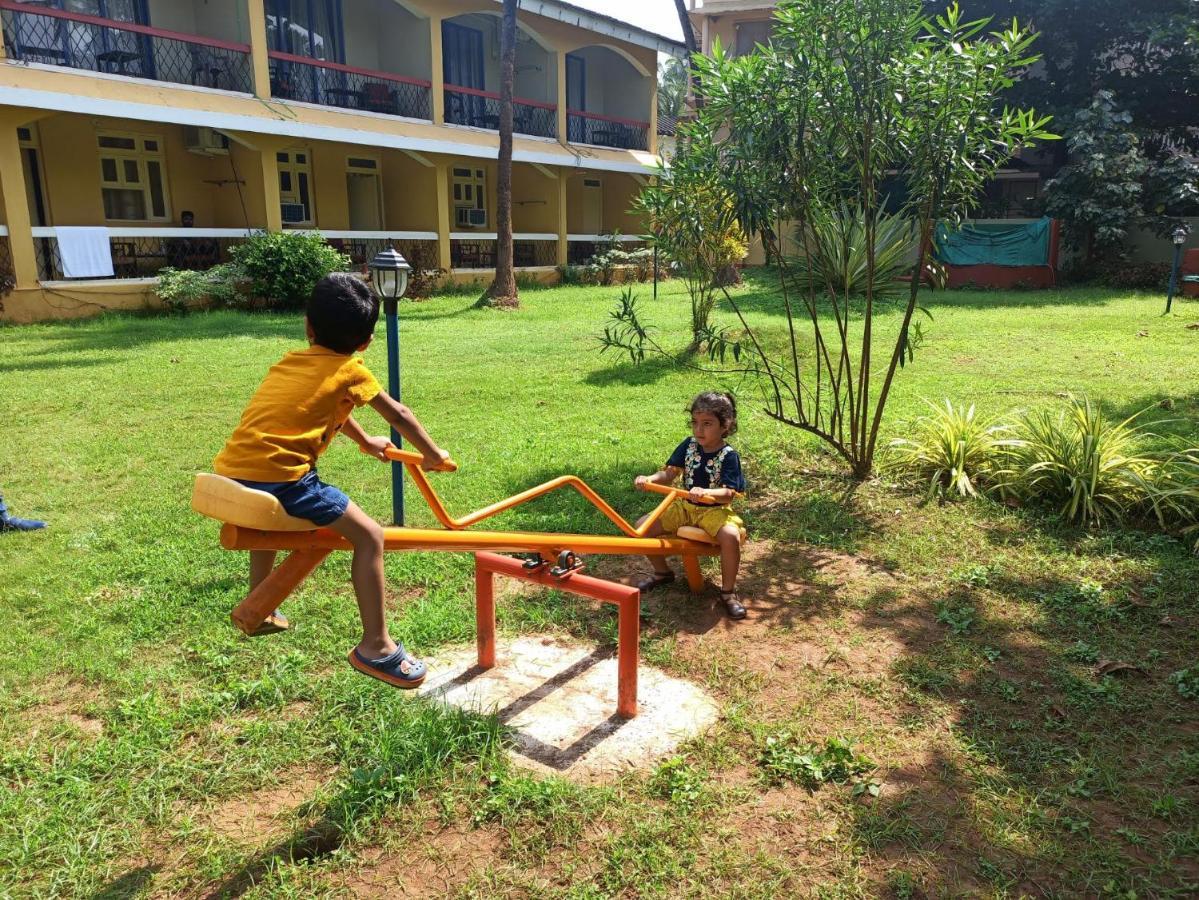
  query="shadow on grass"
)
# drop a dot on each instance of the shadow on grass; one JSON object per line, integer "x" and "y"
{"x": 1030, "y": 791}
{"x": 129, "y": 885}
{"x": 760, "y": 292}
{"x": 626, "y": 372}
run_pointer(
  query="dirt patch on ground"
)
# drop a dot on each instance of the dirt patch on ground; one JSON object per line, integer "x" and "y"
{"x": 436, "y": 862}
{"x": 251, "y": 817}
{"x": 60, "y": 705}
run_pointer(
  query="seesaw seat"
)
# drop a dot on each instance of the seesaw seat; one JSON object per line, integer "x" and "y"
{"x": 694, "y": 533}
{"x": 225, "y": 500}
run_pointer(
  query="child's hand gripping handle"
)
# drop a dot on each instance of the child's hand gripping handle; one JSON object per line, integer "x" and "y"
{"x": 407, "y": 456}
{"x": 656, "y": 488}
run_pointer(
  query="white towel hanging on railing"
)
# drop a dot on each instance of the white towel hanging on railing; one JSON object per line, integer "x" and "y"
{"x": 85, "y": 252}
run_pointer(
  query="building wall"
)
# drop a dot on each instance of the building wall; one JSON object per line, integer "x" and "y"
{"x": 619, "y": 191}
{"x": 614, "y": 86}
{"x": 384, "y": 36}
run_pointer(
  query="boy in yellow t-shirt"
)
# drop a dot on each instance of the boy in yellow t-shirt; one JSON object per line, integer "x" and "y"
{"x": 304, "y": 401}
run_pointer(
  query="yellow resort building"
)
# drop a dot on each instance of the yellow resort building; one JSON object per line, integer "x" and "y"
{"x": 140, "y": 134}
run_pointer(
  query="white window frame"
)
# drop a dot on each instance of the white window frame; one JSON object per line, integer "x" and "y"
{"x": 473, "y": 186}
{"x": 293, "y": 167}
{"x": 141, "y": 156}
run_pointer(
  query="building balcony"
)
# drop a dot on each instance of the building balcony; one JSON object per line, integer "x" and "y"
{"x": 348, "y": 87}
{"x": 35, "y": 32}
{"x": 606, "y": 131}
{"x": 481, "y": 109}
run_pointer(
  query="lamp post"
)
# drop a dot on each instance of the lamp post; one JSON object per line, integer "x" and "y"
{"x": 389, "y": 280}
{"x": 1180, "y": 238}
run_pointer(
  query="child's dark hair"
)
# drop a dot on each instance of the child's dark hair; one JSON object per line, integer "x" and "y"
{"x": 342, "y": 311}
{"x": 722, "y": 406}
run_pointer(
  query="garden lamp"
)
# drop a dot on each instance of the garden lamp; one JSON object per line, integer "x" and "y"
{"x": 389, "y": 281}
{"x": 1180, "y": 238}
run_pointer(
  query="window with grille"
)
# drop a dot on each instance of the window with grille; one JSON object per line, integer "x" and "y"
{"x": 133, "y": 180}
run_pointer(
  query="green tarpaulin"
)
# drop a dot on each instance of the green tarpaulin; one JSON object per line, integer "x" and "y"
{"x": 1020, "y": 244}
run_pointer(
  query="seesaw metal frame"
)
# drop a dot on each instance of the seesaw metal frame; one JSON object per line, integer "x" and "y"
{"x": 309, "y": 548}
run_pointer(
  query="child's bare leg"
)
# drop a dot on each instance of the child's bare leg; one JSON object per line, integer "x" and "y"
{"x": 658, "y": 562}
{"x": 262, "y": 563}
{"x": 366, "y": 571}
{"x": 729, "y": 538}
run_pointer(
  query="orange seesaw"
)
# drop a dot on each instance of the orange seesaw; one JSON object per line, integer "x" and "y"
{"x": 255, "y": 520}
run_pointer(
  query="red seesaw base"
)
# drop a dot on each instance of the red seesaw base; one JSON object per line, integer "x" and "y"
{"x": 627, "y": 600}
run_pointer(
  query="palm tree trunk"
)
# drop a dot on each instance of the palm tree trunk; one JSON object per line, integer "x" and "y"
{"x": 692, "y": 49}
{"x": 503, "y": 290}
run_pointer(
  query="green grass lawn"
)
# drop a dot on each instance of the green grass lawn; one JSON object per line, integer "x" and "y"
{"x": 148, "y": 749}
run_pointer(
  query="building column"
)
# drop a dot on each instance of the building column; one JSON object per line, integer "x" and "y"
{"x": 264, "y": 147}
{"x": 563, "y": 244}
{"x": 259, "y": 61}
{"x": 16, "y": 203}
{"x": 562, "y": 120}
{"x": 437, "y": 75}
{"x": 442, "y": 171}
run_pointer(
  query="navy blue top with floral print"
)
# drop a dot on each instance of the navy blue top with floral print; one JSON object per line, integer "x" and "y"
{"x": 721, "y": 468}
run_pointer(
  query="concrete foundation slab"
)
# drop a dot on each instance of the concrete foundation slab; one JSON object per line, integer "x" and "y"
{"x": 559, "y": 698}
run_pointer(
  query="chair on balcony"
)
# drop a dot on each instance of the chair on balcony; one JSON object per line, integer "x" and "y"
{"x": 378, "y": 97}
{"x": 206, "y": 68}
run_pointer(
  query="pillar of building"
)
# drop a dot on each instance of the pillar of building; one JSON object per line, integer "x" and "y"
{"x": 15, "y": 200}
{"x": 437, "y": 75}
{"x": 563, "y": 243}
{"x": 442, "y": 171}
{"x": 562, "y": 120}
{"x": 259, "y": 60}
{"x": 652, "y": 137}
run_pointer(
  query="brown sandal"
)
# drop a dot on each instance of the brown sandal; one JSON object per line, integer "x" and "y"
{"x": 272, "y": 624}
{"x": 653, "y": 580}
{"x": 732, "y": 605}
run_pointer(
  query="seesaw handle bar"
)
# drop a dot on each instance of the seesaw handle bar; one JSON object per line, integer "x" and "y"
{"x": 412, "y": 462}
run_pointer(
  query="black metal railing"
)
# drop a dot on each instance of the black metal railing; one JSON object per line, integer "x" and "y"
{"x": 142, "y": 257}
{"x": 606, "y": 131}
{"x": 480, "y": 254}
{"x": 481, "y": 109}
{"x": 39, "y": 34}
{"x": 6, "y": 266}
{"x": 420, "y": 254}
{"x": 333, "y": 84}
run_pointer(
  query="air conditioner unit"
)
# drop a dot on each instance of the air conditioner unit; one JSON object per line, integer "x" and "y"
{"x": 469, "y": 217}
{"x": 205, "y": 141}
{"x": 293, "y": 213}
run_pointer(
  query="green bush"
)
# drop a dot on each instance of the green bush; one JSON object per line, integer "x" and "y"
{"x": 283, "y": 267}
{"x": 1092, "y": 470}
{"x": 952, "y": 449}
{"x": 184, "y": 289}
{"x": 835, "y": 257}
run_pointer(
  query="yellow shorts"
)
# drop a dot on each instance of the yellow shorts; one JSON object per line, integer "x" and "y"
{"x": 710, "y": 518}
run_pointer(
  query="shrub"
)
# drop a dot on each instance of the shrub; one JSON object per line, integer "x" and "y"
{"x": 952, "y": 449}
{"x": 836, "y": 257}
{"x": 1135, "y": 276}
{"x": 1092, "y": 470}
{"x": 1174, "y": 493}
{"x": 785, "y": 760}
{"x": 183, "y": 289}
{"x": 426, "y": 275}
{"x": 284, "y": 266}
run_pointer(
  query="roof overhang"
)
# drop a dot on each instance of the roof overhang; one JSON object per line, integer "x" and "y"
{"x": 601, "y": 24}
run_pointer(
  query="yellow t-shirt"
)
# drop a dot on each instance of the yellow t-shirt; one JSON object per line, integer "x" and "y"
{"x": 301, "y": 404}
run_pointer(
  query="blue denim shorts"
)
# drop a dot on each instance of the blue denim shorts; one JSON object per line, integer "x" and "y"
{"x": 309, "y": 498}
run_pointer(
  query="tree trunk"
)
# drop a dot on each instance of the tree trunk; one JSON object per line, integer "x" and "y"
{"x": 692, "y": 49}
{"x": 503, "y": 290}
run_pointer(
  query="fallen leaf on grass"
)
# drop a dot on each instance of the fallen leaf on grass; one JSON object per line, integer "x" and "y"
{"x": 1171, "y": 621}
{"x": 1194, "y": 326}
{"x": 1113, "y": 667}
{"x": 1142, "y": 334}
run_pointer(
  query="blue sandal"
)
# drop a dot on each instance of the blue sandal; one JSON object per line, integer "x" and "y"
{"x": 397, "y": 669}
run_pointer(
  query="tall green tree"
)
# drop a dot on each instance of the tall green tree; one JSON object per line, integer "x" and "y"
{"x": 672, "y": 87}
{"x": 809, "y": 131}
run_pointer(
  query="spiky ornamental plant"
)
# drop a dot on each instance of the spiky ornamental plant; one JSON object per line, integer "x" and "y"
{"x": 852, "y": 95}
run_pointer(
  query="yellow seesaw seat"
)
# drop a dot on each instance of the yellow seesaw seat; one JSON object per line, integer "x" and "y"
{"x": 225, "y": 500}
